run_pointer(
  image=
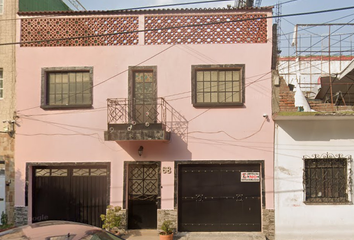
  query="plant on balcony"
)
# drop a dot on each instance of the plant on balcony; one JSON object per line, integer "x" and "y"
{"x": 111, "y": 220}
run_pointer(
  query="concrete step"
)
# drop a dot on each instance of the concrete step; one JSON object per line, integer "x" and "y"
{"x": 219, "y": 236}
{"x": 154, "y": 235}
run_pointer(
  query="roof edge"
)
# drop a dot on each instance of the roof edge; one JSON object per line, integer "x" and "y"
{"x": 148, "y": 11}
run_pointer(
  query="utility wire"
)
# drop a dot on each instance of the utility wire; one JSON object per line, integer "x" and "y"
{"x": 174, "y": 4}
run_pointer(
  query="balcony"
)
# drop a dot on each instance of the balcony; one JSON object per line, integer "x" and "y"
{"x": 146, "y": 120}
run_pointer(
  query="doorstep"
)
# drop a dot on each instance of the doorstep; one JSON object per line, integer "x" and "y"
{"x": 154, "y": 235}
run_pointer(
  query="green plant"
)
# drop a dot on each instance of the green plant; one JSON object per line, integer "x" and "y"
{"x": 3, "y": 218}
{"x": 111, "y": 220}
{"x": 166, "y": 228}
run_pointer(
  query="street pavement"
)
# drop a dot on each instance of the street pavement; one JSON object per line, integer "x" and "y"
{"x": 154, "y": 235}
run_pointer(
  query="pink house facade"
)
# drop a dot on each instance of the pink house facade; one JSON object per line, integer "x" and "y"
{"x": 161, "y": 112}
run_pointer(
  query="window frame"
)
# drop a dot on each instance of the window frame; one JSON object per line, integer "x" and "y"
{"x": 222, "y": 67}
{"x": 44, "y": 87}
{"x": 325, "y": 199}
{"x": 2, "y": 83}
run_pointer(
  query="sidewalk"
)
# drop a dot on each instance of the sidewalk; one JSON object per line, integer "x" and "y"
{"x": 154, "y": 235}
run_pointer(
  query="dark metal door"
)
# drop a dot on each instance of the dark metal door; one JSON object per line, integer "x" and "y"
{"x": 217, "y": 198}
{"x": 70, "y": 193}
{"x": 143, "y": 195}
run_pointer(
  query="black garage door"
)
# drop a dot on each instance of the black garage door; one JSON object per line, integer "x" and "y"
{"x": 74, "y": 193}
{"x": 219, "y": 197}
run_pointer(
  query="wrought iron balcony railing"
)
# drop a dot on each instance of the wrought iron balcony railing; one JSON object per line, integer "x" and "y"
{"x": 143, "y": 115}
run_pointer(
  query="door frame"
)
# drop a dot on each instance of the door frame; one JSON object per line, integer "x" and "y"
{"x": 131, "y": 86}
{"x": 262, "y": 183}
{"x": 126, "y": 181}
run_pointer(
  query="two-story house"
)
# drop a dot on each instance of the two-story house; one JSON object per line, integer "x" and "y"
{"x": 165, "y": 113}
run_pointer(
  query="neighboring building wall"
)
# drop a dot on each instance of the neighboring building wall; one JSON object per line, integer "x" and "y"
{"x": 293, "y": 140}
{"x": 42, "y": 5}
{"x": 7, "y": 102}
{"x": 307, "y": 70}
{"x": 76, "y": 135}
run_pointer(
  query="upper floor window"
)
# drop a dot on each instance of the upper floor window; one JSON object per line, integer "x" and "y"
{"x": 327, "y": 179}
{"x": 218, "y": 85}
{"x": 1, "y": 84}
{"x": 67, "y": 87}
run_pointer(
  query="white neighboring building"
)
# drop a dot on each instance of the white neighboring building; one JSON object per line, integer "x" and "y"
{"x": 313, "y": 164}
{"x": 307, "y": 70}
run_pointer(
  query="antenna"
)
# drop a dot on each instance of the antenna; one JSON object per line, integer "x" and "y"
{"x": 247, "y": 3}
{"x": 278, "y": 22}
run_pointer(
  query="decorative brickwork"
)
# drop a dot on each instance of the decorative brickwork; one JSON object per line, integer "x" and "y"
{"x": 233, "y": 28}
{"x": 246, "y": 28}
{"x": 268, "y": 224}
{"x": 39, "y": 29}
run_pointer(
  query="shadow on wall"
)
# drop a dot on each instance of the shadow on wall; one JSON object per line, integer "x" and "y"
{"x": 175, "y": 149}
{"x": 321, "y": 130}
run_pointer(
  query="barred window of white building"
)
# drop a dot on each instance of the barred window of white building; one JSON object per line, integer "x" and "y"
{"x": 327, "y": 179}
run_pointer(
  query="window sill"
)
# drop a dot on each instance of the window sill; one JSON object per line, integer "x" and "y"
{"x": 218, "y": 105}
{"x": 61, "y": 107}
{"x": 328, "y": 203}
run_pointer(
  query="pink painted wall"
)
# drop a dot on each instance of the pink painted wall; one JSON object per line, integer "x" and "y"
{"x": 77, "y": 135}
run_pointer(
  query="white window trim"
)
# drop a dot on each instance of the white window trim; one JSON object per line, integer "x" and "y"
{"x": 350, "y": 176}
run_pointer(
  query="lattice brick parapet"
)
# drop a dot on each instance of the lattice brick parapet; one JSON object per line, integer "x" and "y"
{"x": 245, "y": 28}
{"x": 38, "y": 29}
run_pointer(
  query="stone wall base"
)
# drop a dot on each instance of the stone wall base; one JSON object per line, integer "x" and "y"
{"x": 124, "y": 219}
{"x": 268, "y": 224}
{"x": 21, "y": 215}
{"x": 167, "y": 215}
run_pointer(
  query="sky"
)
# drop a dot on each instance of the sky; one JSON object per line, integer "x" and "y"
{"x": 287, "y": 23}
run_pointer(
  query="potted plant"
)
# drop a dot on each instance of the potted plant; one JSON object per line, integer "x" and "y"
{"x": 167, "y": 231}
{"x": 112, "y": 220}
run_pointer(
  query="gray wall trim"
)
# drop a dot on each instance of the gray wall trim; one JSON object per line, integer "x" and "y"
{"x": 44, "y": 85}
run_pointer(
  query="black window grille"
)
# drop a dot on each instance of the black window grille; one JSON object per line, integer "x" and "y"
{"x": 326, "y": 179}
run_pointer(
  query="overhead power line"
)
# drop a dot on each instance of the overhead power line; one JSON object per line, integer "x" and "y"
{"x": 174, "y": 4}
{"x": 183, "y": 26}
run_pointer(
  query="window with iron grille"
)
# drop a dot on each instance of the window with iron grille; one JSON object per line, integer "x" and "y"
{"x": 327, "y": 179}
{"x": 1, "y": 84}
{"x": 218, "y": 85}
{"x": 67, "y": 87}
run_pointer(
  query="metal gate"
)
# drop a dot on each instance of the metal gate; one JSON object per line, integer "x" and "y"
{"x": 143, "y": 195}
{"x": 219, "y": 197}
{"x": 73, "y": 193}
